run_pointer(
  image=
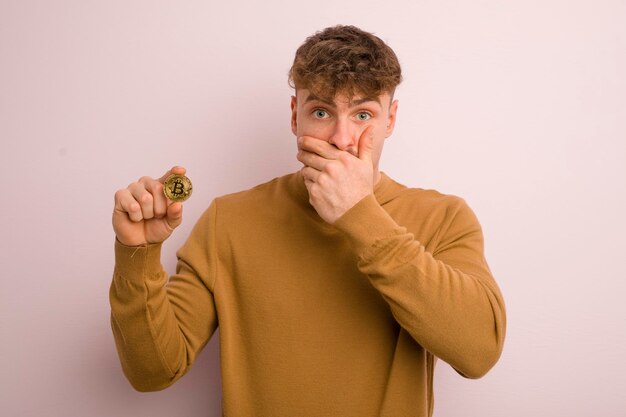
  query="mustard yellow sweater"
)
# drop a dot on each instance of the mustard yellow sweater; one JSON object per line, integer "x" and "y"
{"x": 315, "y": 320}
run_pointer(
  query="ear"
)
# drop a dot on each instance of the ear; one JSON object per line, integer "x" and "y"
{"x": 294, "y": 115}
{"x": 391, "y": 121}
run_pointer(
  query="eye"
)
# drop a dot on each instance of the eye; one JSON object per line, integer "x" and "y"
{"x": 363, "y": 116}
{"x": 320, "y": 113}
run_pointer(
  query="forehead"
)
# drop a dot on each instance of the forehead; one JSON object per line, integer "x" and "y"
{"x": 304, "y": 96}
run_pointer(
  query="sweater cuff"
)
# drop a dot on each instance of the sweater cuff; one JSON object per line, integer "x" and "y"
{"x": 133, "y": 263}
{"x": 365, "y": 223}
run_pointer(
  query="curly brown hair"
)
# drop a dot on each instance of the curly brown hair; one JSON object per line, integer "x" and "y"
{"x": 347, "y": 60}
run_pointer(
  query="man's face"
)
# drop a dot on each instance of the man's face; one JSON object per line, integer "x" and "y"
{"x": 341, "y": 121}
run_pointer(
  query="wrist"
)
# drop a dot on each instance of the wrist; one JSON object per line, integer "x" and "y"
{"x": 138, "y": 262}
{"x": 366, "y": 222}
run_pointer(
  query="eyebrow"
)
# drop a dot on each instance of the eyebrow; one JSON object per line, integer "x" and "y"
{"x": 353, "y": 103}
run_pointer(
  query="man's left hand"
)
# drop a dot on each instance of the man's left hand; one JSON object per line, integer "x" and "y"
{"x": 336, "y": 179}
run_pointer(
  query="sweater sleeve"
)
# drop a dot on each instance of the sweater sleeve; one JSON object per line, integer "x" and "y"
{"x": 160, "y": 325}
{"x": 446, "y": 300}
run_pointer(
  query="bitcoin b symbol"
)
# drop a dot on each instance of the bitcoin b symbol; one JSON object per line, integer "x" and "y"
{"x": 177, "y": 187}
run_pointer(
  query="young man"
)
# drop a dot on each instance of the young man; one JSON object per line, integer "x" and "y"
{"x": 335, "y": 287}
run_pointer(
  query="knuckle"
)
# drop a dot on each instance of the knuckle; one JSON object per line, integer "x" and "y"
{"x": 135, "y": 215}
{"x": 154, "y": 187}
{"x": 147, "y": 198}
{"x": 119, "y": 194}
{"x": 331, "y": 169}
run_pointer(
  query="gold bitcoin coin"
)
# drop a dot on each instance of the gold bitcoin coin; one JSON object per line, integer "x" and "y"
{"x": 177, "y": 188}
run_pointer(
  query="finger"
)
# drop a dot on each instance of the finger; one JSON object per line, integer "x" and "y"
{"x": 319, "y": 147}
{"x": 174, "y": 215}
{"x": 311, "y": 159}
{"x": 366, "y": 143}
{"x": 143, "y": 197}
{"x": 308, "y": 184}
{"x": 174, "y": 170}
{"x": 155, "y": 188}
{"x": 310, "y": 174}
{"x": 126, "y": 204}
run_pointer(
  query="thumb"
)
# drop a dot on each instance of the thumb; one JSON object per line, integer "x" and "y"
{"x": 366, "y": 143}
{"x": 176, "y": 169}
{"x": 174, "y": 216}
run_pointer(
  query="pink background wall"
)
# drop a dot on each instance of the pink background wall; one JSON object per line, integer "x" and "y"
{"x": 519, "y": 107}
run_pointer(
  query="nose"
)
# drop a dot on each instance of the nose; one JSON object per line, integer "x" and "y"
{"x": 343, "y": 136}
